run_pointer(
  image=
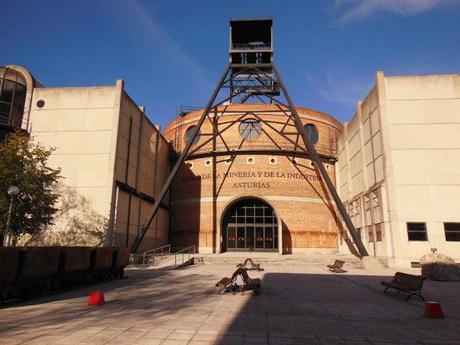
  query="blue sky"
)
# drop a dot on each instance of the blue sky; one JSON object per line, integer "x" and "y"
{"x": 173, "y": 52}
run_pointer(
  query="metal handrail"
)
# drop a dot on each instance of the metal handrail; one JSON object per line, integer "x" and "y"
{"x": 253, "y": 46}
{"x": 152, "y": 253}
{"x": 188, "y": 251}
{"x": 168, "y": 246}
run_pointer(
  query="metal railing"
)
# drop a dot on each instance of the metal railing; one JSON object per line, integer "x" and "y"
{"x": 251, "y": 46}
{"x": 184, "y": 255}
{"x": 151, "y": 255}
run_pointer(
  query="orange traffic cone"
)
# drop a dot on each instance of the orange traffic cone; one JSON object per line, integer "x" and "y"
{"x": 96, "y": 298}
{"x": 433, "y": 310}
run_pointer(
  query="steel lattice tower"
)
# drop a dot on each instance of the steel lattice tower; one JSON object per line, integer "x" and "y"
{"x": 251, "y": 77}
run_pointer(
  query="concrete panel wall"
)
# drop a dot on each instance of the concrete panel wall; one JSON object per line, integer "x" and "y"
{"x": 411, "y": 156}
{"x": 141, "y": 169}
{"x": 79, "y": 123}
{"x": 108, "y": 152}
{"x": 423, "y": 115}
{"x": 361, "y": 164}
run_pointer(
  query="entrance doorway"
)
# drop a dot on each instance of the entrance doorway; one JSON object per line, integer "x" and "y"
{"x": 250, "y": 225}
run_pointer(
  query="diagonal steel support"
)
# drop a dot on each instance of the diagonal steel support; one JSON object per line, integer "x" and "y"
{"x": 314, "y": 155}
{"x": 159, "y": 199}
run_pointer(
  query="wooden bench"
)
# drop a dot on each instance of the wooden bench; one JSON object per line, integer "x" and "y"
{"x": 337, "y": 266}
{"x": 408, "y": 283}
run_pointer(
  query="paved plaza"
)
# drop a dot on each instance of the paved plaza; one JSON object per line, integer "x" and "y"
{"x": 297, "y": 305}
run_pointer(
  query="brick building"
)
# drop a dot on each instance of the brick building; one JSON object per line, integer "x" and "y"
{"x": 395, "y": 165}
{"x": 251, "y": 189}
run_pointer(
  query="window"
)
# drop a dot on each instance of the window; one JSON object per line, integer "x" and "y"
{"x": 350, "y": 209}
{"x": 189, "y": 134}
{"x": 378, "y": 233}
{"x": 12, "y": 97}
{"x": 452, "y": 231}
{"x": 417, "y": 232}
{"x": 250, "y": 160}
{"x": 250, "y": 129}
{"x": 312, "y": 133}
{"x": 356, "y": 206}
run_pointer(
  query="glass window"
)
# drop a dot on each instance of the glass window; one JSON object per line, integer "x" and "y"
{"x": 247, "y": 223}
{"x": 240, "y": 240}
{"x": 250, "y": 129}
{"x": 249, "y": 237}
{"x": 259, "y": 237}
{"x": 18, "y": 105}
{"x": 7, "y": 91}
{"x": 417, "y": 232}
{"x": 4, "y": 114}
{"x": 12, "y": 98}
{"x": 312, "y": 133}
{"x": 231, "y": 238}
{"x": 452, "y": 231}
{"x": 189, "y": 134}
{"x": 378, "y": 233}
{"x": 268, "y": 237}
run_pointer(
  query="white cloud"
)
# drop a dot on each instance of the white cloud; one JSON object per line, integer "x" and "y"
{"x": 356, "y": 9}
{"x": 341, "y": 88}
{"x": 161, "y": 39}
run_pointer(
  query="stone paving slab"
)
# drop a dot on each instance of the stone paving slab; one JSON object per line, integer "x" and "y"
{"x": 297, "y": 305}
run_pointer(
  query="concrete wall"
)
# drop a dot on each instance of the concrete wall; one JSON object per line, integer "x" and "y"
{"x": 141, "y": 169}
{"x": 360, "y": 176}
{"x": 402, "y": 148}
{"x": 81, "y": 124}
{"x": 112, "y": 158}
{"x": 422, "y": 118}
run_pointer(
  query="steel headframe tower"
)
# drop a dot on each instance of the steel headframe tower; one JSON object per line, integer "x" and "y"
{"x": 251, "y": 76}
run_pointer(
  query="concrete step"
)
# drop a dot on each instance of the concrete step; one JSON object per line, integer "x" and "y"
{"x": 277, "y": 259}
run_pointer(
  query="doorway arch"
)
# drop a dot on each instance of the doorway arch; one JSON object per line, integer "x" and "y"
{"x": 250, "y": 224}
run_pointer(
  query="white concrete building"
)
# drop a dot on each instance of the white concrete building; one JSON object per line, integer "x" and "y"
{"x": 113, "y": 159}
{"x": 397, "y": 170}
{"x": 399, "y": 167}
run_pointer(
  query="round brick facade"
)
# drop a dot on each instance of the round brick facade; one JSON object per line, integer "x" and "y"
{"x": 260, "y": 161}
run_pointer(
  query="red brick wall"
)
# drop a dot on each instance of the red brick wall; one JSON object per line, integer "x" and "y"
{"x": 295, "y": 190}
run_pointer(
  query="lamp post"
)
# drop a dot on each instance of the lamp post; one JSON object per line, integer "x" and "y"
{"x": 12, "y": 192}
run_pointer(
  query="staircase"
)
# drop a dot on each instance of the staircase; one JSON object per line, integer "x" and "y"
{"x": 322, "y": 260}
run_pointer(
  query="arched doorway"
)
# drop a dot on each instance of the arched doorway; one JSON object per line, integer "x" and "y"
{"x": 250, "y": 225}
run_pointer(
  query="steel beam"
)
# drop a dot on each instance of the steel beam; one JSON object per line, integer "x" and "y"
{"x": 253, "y": 69}
{"x": 319, "y": 164}
{"x": 159, "y": 199}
